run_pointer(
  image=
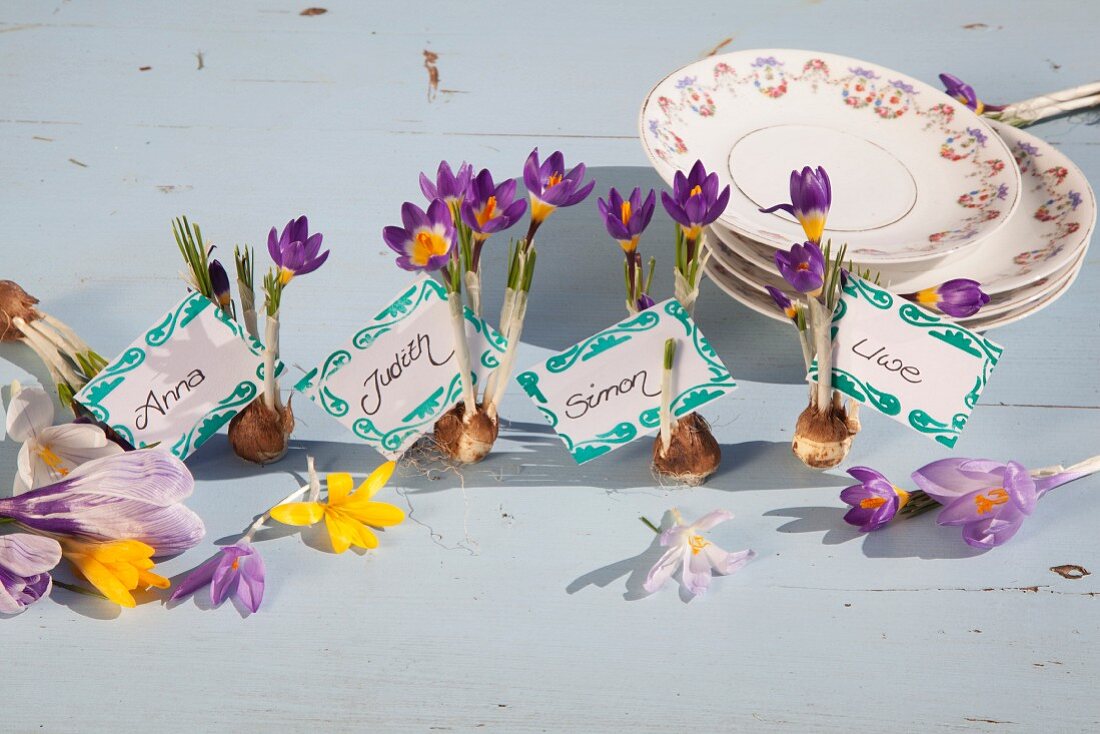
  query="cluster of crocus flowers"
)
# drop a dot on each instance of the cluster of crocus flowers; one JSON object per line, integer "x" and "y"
{"x": 464, "y": 211}
{"x": 625, "y": 220}
{"x": 109, "y": 518}
{"x": 988, "y": 499}
{"x": 695, "y": 202}
{"x": 68, "y": 358}
{"x": 696, "y": 558}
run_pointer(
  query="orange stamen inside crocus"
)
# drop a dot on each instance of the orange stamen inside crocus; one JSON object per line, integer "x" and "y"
{"x": 426, "y": 245}
{"x": 697, "y": 543}
{"x": 554, "y": 180}
{"x": 986, "y": 502}
{"x": 486, "y": 214}
{"x": 625, "y": 212}
{"x": 696, "y": 191}
{"x": 236, "y": 564}
{"x": 52, "y": 460}
{"x": 872, "y": 503}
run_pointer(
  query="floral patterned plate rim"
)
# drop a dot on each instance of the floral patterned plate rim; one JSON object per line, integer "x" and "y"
{"x": 1053, "y": 224}
{"x": 915, "y": 174}
{"x": 761, "y": 303}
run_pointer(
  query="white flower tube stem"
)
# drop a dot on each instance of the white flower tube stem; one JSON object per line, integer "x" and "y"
{"x": 462, "y": 352}
{"x": 1030, "y": 114}
{"x": 507, "y": 361}
{"x": 473, "y": 291}
{"x": 666, "y": 394}
{"x": 821, "y": 325}
{"x": 59, "y": 369}
{"x": 271, "y": 354}
{"x": 75, "y": 343}
{"x": 1062, "y": 95}
{"x": 259, "y": 523}
{"x": 248, "y": 309}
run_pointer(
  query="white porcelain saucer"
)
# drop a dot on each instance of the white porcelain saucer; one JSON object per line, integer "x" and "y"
{"x": 1047, "y": 233}
{"x": 758, "y": 300}
{"x": 915, "y": 175}
{"x": 752, "y": 275}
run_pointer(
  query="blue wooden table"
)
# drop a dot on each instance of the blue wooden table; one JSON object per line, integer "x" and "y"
{"x": 510, "y": 599}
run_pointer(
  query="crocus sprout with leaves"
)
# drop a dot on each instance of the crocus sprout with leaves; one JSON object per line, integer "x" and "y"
{"x": 694, "y": 203}
{"x": 464, "y": 211}
{"x": 1028, "y": 111}
{"x": 988, "y": 499}
{"x": 696, "y": 558}
{"x": 68, "y": 358}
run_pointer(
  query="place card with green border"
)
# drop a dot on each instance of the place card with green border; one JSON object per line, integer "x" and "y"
{"x": 179, "y": 382}
{"x": 920, "y": 368}
{"x": 606, "y": 391}
{"x": 398, "y": 374}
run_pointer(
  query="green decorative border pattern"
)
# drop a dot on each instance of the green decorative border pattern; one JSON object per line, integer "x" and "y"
{"x": 719, "y": 383}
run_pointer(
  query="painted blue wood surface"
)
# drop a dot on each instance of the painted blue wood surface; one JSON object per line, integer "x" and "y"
{"x": 507, "y": 603}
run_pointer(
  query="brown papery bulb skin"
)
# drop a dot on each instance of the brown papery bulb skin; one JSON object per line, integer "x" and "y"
{"x": 259, "y": 434}
{"x": 466, "y": 441}
{"x": 693, "y": 454}
{"x": 822, "y": 439}
{"x": 15, "y": 303}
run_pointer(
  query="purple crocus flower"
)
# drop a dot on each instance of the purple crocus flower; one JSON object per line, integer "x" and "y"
{"x": 235, "y": 570}
{"x": 643, "y": 302}
{"x": 874, "y": 500}
{"x": 219, "y": 279}
{"x": 488, "y": 208}
{"x": 958, "y": 298}
{"x": 25, "y": 564}
{"x": 990, "y": 499}
{"x": 963, "y": 92}
{"x": 424, "y": 242}
{"x": 295, "y": 251}
{"x": 811, "y": 197}
{"x": 550, "y": 187}
{"x": 782, "y": 302}
{"x": 695, "y": 201}
{"x": 448, "y": 186}
{"x": 137, "y": 495}
{"x": 803, "y": 266}
{"x": 626, "y": 219}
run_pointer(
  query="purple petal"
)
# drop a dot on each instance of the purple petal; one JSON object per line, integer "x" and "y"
{"x": 198, "y": 578}
{"x": 24, "y": 554}
{"x": 945, "y": 480}
{"x": 250, "y": 587}
{"x": 1020, "y": 487}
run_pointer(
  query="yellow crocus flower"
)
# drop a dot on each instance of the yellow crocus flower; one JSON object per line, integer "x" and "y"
{"x": 115, "y": 568}
{"x": 347, "y": 514}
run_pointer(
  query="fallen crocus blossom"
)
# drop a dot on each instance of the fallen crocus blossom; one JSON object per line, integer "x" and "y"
{"x": 695, "y": 556}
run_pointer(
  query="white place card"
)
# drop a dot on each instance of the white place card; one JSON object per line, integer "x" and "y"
{"x": 181, "y": 381}
{"x": 606, "y": 391}
{"x": 918, "y": 367}
{"x": 397, "y": 375}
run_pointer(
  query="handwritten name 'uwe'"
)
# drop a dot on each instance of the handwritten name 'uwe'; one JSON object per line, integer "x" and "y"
{"x": 888, "y": 362}
{"x": 416, "y": 349}
{"x": 578, "y": 404}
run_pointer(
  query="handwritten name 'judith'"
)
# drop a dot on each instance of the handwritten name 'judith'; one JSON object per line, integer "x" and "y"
{"x": 579, "y": 404}
{"x": 879, "y": 356}
{"x": 417, "y": 348}
{"x": 163, "y": 402}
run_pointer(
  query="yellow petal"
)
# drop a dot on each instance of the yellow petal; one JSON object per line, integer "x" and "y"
{"x": 339, "y": 485}
{"x": 126, "y": 574}
{"x": 375, "y": 481}
{"x": 299, "y": 513}
{"x": 151, "y": 579}
{"x": 337, "y": 532}
{"x": 360, "y": 534}
{"x": 378, "y": 514}
{"x": 101, "y": 578}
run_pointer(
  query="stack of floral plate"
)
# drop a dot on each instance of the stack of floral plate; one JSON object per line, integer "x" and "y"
{"x": 924, "y": 190}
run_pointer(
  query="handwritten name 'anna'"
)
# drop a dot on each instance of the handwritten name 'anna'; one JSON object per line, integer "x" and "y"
{"x": 578, "y": 404}
{"x": 161, "y": 402}
{"x": 417, "y": 348}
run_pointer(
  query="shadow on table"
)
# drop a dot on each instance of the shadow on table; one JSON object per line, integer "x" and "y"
{"x": 579, "y": 286}
{"x": 918, "y": 537}
{"x": 635, "y": 569}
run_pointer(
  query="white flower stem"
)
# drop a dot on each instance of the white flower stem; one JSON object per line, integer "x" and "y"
{"x": 1062, "y": 95}
{"x": 504, "y": 371}
{"x": 48, "y": 353}
{"x": 248, "y": 309}
{"x": 473, "y": 291}
{"x": 462, "y": 352}
{"x": 668, "y": 357}
{"x": 821, "y": 325}
{"x": 271, "y": 354}
{"x": 76, "y": 344}
{"x": 1031, "y": 114}
{"x": 258, "y": 525}
{"x": 314, "y": 480}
